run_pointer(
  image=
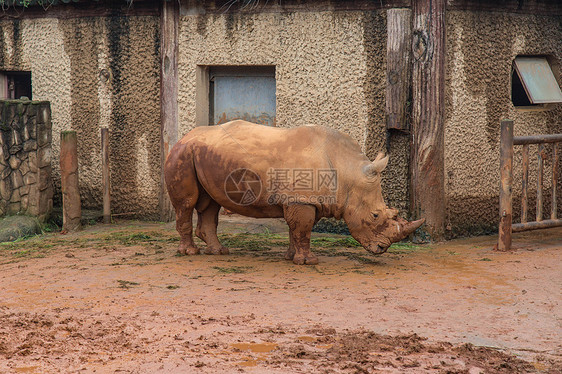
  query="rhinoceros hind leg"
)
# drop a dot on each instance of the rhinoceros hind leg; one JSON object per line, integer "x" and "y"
{"x": 184, "y": 226}
{"x": 290, "y": 254}
{"x": 207, "y": 221}
{"x": 300, "y": 219}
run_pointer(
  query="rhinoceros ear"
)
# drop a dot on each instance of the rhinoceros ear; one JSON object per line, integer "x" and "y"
{"x": 377, "y": 166}
{"x": 380, "y": 156}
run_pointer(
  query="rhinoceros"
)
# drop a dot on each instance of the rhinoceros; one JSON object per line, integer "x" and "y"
{"x": 300, "y": 174}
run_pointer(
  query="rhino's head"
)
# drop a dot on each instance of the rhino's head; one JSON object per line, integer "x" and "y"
{"x": 370, "y": 221}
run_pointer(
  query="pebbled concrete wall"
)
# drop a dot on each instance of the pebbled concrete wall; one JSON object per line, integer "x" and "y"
{"x": 481, "y": 47}
{"x": 330, "y": 70}
{"x": 97, "y": 72}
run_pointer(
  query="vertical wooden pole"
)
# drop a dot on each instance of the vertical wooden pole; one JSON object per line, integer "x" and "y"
{"x": 540, "y": 173}
{"x": 555, "y": 174}
{"x": 506, "y": 180}
{"x": 398, "y": 69}
{"x": 169, "y": 30}
{"x": 105, "y": 175}
{"x": 428, "y": 99}
{"x": 525, "y": 184}
{"x": 71, "y": 206}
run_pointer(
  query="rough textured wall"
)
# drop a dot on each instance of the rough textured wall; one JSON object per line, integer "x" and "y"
{"x": 26, "y": 185}
{"x": 480, "y": 50}
{"x": 97, "y": 72}
{"x": 330, "y": 70}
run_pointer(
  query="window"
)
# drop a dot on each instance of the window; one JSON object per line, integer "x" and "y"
{"x": 533, "y": 83}
{"x": 226, "y": 93}
{"x": 15, "y": 84}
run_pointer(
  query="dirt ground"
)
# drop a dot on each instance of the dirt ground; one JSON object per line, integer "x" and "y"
{"x": 117, "y": 299}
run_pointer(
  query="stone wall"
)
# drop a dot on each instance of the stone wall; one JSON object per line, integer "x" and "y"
{"x": 25, "y": 158}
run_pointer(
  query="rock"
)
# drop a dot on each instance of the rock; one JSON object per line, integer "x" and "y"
{"x": 24, "y": 167}
{"x": 31, "y": 130}
{"x": 44, "y": 157}
{"x": 29, "y": 179}
{"x": 44, "y": 116}
{"x": 16, "y": 197}
{"x": 4, "y": 154}
{"x": 5, "y": 173}
{"x": 6, "y": 189}
{"x": 32, "y": 159}
{"x": 14, "y": 227}
{"x": 16, "y": 138}
{"x": 14, "y": 162}
{"x": 24, "y": 203}
{"x": 17, "y": 179}
{"x": 24, "y": 190}
{"x": 45, "y": 180}
{"x": 30, "y": 145}
{"x": 15, "y": 149}
{"x": 43, "y": 135}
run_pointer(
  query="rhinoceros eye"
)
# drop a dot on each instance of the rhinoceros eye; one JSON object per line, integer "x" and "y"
{"x": 375, "y": 215}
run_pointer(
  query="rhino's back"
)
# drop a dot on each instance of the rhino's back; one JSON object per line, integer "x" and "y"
{"x": 257, "y": 142}
{"x": 228, "y": 152}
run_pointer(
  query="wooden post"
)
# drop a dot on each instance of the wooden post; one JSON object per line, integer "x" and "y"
{"x": 398, "y": 69}
{"x": 506, "y": 180}
{"x": 428, "y": 94}
{"x": 169, "y": 27}
{"x": 555, "y": 173}
{"x": 105, "y": 175}
{"x": 525, "y": 184}
{"x": 540, "y": 173}
{"x": 71, "y": 206}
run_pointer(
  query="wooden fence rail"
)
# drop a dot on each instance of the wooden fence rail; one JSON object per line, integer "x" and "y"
{"x": 507, "y": 141}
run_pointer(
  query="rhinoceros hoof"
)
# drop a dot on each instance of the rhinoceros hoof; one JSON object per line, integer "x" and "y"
{"x": 302, "y": 260}
{"x": 188, "y": 250}
{"x": 217, "y": 251}
{"x": 289, "y": 255}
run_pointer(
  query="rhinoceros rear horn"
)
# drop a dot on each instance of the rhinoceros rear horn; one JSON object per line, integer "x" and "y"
{"x": 377, "y": 166}
{"x": 410, "y": 227}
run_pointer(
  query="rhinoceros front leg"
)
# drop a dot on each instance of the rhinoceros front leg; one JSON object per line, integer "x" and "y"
{"x": 300, "y": 219}
{"x": 207, "y": 221}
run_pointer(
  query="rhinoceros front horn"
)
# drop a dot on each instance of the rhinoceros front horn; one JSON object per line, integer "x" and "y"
{"x": 410, "y": 227}
{"x": 377, "y": 166}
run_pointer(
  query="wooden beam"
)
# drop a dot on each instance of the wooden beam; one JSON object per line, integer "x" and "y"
{"x": 428, "y": 94}
{"x": 169, "y": 29}
{"x": 398, "y": 68}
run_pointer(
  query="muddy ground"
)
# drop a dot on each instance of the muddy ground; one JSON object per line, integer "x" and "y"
{"x": 117, "y": 298}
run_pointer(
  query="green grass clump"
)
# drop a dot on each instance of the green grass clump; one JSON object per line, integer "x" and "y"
{"x": 329, "y": 242}
{"x": 126, "y": 284}
{"x": 232, "y": 269}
